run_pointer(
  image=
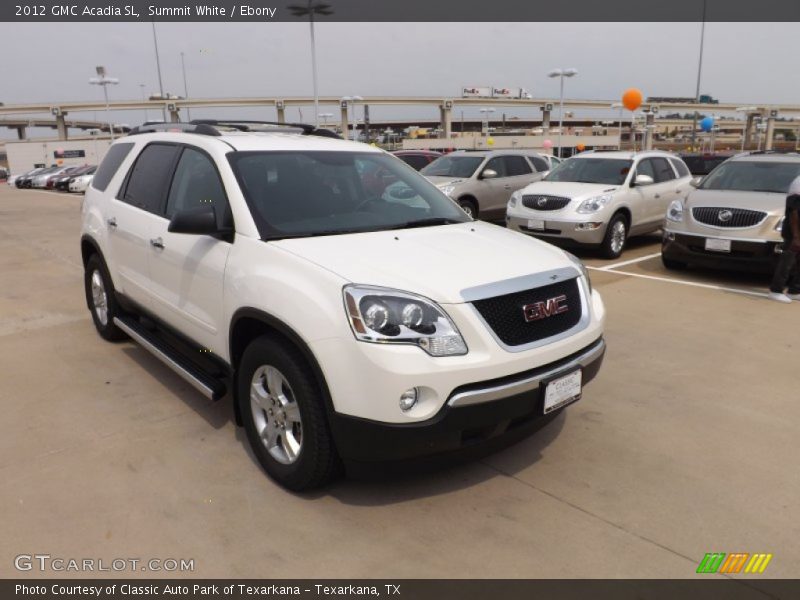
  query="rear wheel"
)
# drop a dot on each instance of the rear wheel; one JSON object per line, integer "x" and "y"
{"x": 100, "y": 298}
{"x": 284, "y": 416}
{"x": 616, "y": 236}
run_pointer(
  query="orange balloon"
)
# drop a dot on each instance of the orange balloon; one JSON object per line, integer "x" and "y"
{"x": 632, "y": 99}
{"x": 581, "y": 147}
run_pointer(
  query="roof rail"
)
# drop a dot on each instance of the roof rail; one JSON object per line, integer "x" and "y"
{"x": 198, "y": 128}
{"x": 244, "y": 125}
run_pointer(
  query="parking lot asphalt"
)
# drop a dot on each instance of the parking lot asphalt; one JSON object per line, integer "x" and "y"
{"x": 686, "y": 443}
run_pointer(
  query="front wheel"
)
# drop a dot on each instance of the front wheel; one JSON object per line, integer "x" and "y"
{"x": 284, "y": 417}
{"x": 616, "y": 236}
{"x": 469, "y": 207}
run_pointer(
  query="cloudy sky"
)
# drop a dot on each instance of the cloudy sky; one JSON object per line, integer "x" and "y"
{"x": 743, "y": 62}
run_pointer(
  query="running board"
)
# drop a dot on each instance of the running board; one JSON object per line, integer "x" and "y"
{"x": 209, "y": 386}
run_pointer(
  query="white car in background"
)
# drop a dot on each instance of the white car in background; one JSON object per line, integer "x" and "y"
{"x": 599, "y": 199}
{"x": 80, "y": 184}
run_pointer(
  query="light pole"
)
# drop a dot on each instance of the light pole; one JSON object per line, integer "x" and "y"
{"x": 311, "y": 9}
{"x": 144, "y": 99}
{"x": 103, "y": 80}
{"x": 185, "y": 88}
{"x": 158, "y": 69}
{"x": 561, "y": 73}
{"x": 351, "y": 101}
{"x": 699, "y": 72}
{"x": 325, "y": 117}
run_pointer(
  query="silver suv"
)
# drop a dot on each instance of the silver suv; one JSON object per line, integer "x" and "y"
{"x": 600, "y": 198}
{"x": 734, "y": 216}
{"x": 481, "y": 182}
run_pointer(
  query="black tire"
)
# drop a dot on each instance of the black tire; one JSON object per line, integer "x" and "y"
{"x": 469, "y": 206}
{"x": 612, "y": 247}
{"x": 95, "y": 267}
{"x": 317, "y": 462}
{"x": 674, "y": 265}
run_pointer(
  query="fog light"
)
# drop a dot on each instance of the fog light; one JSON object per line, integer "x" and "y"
{"x": 587, "y": 226}
{"x": 408, "y": 399}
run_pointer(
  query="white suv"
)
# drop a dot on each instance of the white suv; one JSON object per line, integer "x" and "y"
{"x": 350, "y": 324}
{"x": 600, "y": 199}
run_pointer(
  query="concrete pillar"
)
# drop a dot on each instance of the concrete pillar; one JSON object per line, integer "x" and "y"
{"x": 345, "y": 123}
{"x": 446, "y": 120}
{"x": 545, "y": 122}
{"x": 748, "y": 131}
{"x": 174, "y": 115}
{"x": 61, "y": 126}
{"x": 649, "y": 130}
{"x": 770, "y": 133}
{"x": 280, "y": 108}
{"x": 22, "y": 132}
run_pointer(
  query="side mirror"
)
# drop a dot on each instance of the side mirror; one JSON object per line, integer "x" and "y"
{"x": 194, "y": 221}
{"x": 488, "y": 174}
{"x": 696, "y": 181}
{"x": 643, "y": 179}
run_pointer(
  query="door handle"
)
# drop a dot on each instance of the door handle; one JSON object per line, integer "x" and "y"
{"x": 157, "y": 243}
{"x": 112, "y": 222}
{"x": 507, "y": 186}
{"x": 657, "y": 196}
{"x": 678, "y": 191}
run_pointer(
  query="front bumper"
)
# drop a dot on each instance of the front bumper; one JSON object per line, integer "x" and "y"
{"x": 474, "y": 415}
{"x": 755, "y": 255}
{"x": 560, "y": 229}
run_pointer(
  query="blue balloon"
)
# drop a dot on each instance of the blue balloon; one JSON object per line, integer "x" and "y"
{"x": 707, "y": 124}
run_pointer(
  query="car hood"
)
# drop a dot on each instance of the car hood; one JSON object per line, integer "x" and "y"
{"x": 568, "y": 189}
{"x": 437, "y": 262}
{"x": 766, "y": 201}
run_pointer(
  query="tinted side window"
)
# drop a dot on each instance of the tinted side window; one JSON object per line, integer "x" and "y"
{"x": 149, "y": 177}
{"x": 680, "y": 167}
{"x": 196, "y": 183}
{"x": 113, "y": 159}
{"x": 497, "y": 164}
{"x": 517, "y": 165}
{"x": 663, "y": 170}
{"x": 539, "y": 163}
{"x": 645, "y": 167}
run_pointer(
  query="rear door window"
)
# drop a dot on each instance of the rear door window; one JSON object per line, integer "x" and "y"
{"x": 663, "y": 170}
{"x": 517, "y": 165}
{"x": 108, "y": 168}
{"x": 540, "y": 163}
{"x": 149, "y": 178}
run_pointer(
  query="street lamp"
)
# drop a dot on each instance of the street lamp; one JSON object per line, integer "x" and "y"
{"x": 158, "y": 70}
{"x": 351, "y": 101}
{"x": 561, "y": 73}
{"x": 185, "y": 88}
{"x": 310, "y": 10}
{"x": 103, "y": 80}
{"x": 325, "y": 117}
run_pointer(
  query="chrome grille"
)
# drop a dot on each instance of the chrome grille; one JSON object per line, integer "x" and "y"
{"x": 727, "y": 217}
{"x": 544, "y": 202}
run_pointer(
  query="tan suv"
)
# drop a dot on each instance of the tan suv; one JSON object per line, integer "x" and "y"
{"x": 483, "y": 181}
{"x": 734, "y": 217}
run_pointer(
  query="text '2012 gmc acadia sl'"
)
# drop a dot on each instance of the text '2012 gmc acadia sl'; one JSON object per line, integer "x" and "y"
{"x": 350, "y": 323}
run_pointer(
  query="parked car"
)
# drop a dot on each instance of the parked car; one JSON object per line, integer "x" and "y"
{"x": 62, "y": 183}
{"x": 417, "y": 158}
{"x": 734, "y": 217}
{"x": 51, "y": 179}
{"x": 701, "y": 164}
{"x": 80, "y": 183}
{"x": 482, "y": 182}
{"x": 599, "y": 199}
{"x": 40, "y": 179}
{"x": 24, "y": 180}
{"x": 350, "y": 326}
{"x": 4, "y": 174}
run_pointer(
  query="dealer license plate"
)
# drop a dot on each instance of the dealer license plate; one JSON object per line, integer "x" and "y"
{"x": 536, "y": 224}
{"x": 562, "y": 391}
{"x": 717, "y": 245}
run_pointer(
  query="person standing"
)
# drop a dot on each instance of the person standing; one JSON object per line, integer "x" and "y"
{"x": 787, "y": 273}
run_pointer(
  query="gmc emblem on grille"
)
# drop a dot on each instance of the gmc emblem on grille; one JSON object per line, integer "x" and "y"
{"x": 543, "y": 310}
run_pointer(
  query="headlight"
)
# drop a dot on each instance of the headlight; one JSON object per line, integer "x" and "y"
{"x": 779, "y": 226}
{"x": 515, "y": 197}
{"x": 592, "y": 205}
{"x": 675, "y": 211}
{"x": 447, "y": 189}
{"x": 581, "y": 267}
{"x": 386, "y": 316}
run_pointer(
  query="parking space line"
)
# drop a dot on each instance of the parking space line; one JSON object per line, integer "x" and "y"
{"x": 628, "y": 262}
{"x": 707, "y": 286}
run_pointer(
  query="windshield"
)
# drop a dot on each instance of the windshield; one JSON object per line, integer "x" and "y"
{"x": 300, "y": 194}
{"x": 453, "y": 166}
{"x": 752, "y": 176}
{"x": 611, "y": 171}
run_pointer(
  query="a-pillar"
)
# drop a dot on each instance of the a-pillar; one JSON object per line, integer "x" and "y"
{"x": 649, "y": 130}
{"x": 770, "y": 133}
{"x": 61, "y": 126}
{"x": 446, "y": 119}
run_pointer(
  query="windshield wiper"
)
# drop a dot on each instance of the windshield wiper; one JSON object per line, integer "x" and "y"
{"x": 426, "y": 223}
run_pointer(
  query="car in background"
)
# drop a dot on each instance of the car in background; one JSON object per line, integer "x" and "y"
{"x": 734, "y": 217}
{"x": 600, "y": 199}
{"x": 62, "y": 182}
{"x": 40, "y": 180}
{"x": 80, "y": 183}
{"x": 4, "y": 173}
{"x": 482, "y": 182}
{"x": 50, "y": 183}
{"x": 418, "y": 159}
{"x": 24, "y": 180}
{"x": 701, "y": 164}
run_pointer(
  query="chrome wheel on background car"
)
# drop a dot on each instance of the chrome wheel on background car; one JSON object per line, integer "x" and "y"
{"x": 616, "y": 236}
{"x": 276, "y": 414}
